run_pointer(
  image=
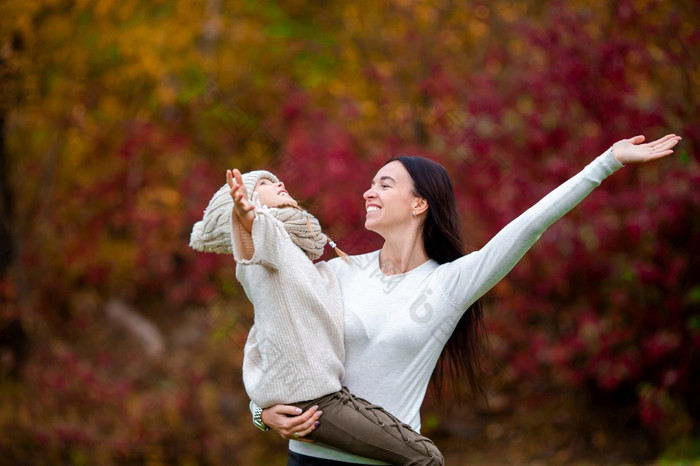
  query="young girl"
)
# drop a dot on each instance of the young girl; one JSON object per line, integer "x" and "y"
{"x": 274, "y": 242}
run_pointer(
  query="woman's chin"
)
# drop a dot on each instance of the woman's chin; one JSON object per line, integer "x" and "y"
{"x": 371, "y": 225}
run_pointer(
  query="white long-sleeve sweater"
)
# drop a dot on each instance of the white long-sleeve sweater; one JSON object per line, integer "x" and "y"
{"x": 294, "y": 350}
{"x": 396, "y": 326}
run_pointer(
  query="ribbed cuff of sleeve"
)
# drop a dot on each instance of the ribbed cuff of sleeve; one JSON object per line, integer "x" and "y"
{"x": 242, "y": 242}
{"x": 609, "y": 161}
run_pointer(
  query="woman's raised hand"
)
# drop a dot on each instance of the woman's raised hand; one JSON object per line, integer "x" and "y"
{"x": 634, "y": 150}
{"x": 290, "y": 422}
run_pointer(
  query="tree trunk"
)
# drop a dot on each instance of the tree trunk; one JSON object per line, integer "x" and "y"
{"x": 13, "y": 337}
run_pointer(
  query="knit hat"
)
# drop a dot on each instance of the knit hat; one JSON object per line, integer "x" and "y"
{"x": 250, "y": 180}
{"x": 213, "y": 232}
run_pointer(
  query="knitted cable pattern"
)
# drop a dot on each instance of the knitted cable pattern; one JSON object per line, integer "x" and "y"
{"x": 213, "y": 232}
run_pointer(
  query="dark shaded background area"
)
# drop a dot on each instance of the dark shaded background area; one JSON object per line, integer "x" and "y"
{"x": 120, "y": 345}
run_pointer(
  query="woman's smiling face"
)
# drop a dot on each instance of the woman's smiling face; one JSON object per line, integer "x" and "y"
{"x": 390, "y": 201}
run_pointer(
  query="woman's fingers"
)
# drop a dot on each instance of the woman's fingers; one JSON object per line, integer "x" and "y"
{"x": 663, "y": 144}
{"x": 637, "y": 139}
{"x": 290, "y": 411}
{"x": 667, "y": 144}
{"x": 665, "y": 148}
{"x": 301, "y": 429}
{"x": 665, "y": 139}
{"x": 296, "y": 423}
{"x": 310, "y": 424}
{"x": 300, "y": 435}
{"x": 286, "y": 419}
{"x": 290, "y": 423}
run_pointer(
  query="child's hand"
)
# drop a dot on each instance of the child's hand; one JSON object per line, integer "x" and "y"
{"x": 241, "y": 205}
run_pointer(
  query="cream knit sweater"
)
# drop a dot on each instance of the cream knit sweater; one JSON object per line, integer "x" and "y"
{"x": 295, "y": 349}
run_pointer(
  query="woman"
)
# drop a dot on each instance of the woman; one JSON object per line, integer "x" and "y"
{"x": 419, "y": 294}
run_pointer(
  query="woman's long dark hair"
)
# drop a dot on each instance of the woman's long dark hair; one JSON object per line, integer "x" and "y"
{"x": 442, "y": 240}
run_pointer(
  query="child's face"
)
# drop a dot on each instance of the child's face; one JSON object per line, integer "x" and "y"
{"x": 273, "y": 194}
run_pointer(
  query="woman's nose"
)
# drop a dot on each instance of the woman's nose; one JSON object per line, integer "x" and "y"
{"x": 369, "y": 193}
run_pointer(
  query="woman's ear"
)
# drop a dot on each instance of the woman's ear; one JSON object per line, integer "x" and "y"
{"x": 420, "y": 205}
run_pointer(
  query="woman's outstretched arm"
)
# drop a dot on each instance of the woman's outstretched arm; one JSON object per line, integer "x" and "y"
{"x": 470, "y": 277}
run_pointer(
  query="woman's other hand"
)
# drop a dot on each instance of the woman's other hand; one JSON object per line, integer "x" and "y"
{"x": 290, "y": 422}
{"x": 634, "y": 150}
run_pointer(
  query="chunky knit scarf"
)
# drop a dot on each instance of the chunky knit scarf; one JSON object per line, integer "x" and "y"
{"x": 303, "y": 229}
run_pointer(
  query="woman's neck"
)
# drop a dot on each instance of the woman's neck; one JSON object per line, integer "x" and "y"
{"x": 401, "y": 255}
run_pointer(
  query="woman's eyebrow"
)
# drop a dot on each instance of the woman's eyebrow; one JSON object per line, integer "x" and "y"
{"x": 384, "y": 178}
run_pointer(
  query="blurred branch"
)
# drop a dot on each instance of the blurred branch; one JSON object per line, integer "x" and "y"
{"x": 211, "y": 28}
{"x": 144, "y": 330}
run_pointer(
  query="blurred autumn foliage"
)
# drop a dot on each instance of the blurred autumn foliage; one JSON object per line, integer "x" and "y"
{"x": 118, "y": 344}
